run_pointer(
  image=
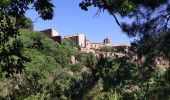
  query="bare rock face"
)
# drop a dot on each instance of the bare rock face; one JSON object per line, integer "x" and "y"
{"x": 73, "y": 60}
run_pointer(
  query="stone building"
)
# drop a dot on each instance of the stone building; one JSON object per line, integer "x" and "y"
{"x": 98, "y": 45}
{"x": 91, "y": 47}
{"x": 78, "y": 39}
{"x": 86, "y": 46}
{"x": 52, "y": 34}
{"x": 106, "y": 41}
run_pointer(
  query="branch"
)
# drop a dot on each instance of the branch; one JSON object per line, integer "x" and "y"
{"x": 36, "y": 19}
{"x": 112, "y": 13}
{"x": 97, "y": 13}
{"x": 117, "y": 21}
{"x": 166, "y": 25}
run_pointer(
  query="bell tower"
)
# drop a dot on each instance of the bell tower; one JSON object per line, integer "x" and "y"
{"x": 106, "y": 41}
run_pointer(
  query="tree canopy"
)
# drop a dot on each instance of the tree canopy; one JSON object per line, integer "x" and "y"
{"x": 149, "y": 16}
{"x": 12, "y": 18}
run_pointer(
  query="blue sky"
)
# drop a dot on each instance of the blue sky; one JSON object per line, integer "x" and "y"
{"x": 70, "y": 19}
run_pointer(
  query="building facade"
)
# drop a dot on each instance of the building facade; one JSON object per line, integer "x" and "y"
{"x": 78, "y": 39}
{"x": 87, "y": 46}
{"x": 52, "y": 34}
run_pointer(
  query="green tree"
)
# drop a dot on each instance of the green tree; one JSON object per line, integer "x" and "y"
{"x": 46, "y": 72}
{"x": 11, "y": 11}
{"x": 26, "y": 23}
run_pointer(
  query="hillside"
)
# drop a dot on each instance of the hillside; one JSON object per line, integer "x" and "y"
{"x": 49, "y": 63}
{"x": 59, "y": 71}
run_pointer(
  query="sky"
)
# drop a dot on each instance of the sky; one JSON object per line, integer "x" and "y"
{"x": 69, "y": 19}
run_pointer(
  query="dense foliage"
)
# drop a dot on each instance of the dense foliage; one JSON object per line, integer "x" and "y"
{"x": 12, "y": 17}
{"x": 49, "y": 62}
{"x": 60, "y": 71}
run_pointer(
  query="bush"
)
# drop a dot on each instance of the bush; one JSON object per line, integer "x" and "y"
{"x": 77, "y": 67}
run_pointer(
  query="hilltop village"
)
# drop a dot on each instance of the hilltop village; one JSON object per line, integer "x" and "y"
{"x": 98, "y": 49}
{"x": 88, "y": 46}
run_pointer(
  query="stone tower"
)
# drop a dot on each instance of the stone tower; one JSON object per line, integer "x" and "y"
{"x": 106, "y": 41}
